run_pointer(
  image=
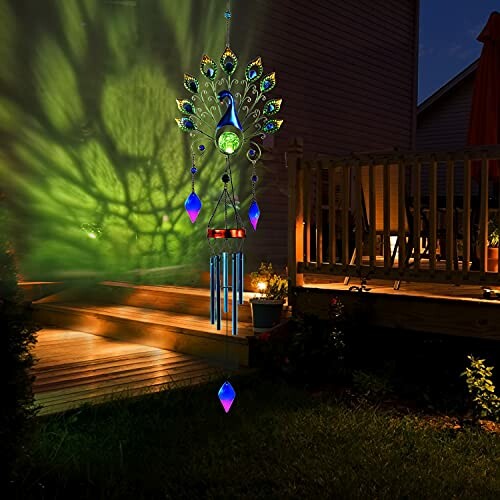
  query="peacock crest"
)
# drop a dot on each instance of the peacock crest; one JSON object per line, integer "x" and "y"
{"x": 231, "y": 112}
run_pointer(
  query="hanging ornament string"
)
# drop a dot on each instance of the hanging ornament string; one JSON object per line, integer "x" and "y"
{"x": 226, "y": 114}
{"x": 228, "y": 16}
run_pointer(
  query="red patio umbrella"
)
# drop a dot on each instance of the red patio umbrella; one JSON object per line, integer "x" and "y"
{"x": 484, "y": 124}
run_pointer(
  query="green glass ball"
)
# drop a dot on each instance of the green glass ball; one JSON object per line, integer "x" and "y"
{"x": 229, "y": 142}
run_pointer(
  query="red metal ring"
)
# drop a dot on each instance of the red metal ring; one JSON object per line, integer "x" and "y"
{"x": 239, "y": 233}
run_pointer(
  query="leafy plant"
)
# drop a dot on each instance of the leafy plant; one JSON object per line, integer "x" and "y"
{"x": 317, "y": 348}
{"x": 18, "y": 336}
{"x": 371, "y": 385}
{"x": 270, "y": 284}
{"x": 485, "y": 403}
{"x": 493, "y": 234}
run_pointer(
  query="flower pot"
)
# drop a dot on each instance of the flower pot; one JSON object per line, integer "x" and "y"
{"x": 266, "y": 313}
{"x": 492, "y": 263}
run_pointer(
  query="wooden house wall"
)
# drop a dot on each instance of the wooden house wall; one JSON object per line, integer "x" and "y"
{"x": 443, "y": 126}
{"x": 347, "y": 74}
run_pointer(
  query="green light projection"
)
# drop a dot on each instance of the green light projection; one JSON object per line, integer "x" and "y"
{"x": 93, "y": 168}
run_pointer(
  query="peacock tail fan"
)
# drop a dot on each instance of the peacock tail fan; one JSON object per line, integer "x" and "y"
{"x": 228, "y": 110}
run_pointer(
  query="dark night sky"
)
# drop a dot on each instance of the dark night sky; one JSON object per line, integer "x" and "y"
{"x": 448, "y": 31}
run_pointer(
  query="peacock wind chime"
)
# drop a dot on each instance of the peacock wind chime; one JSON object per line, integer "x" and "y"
{"x": 227, "y": 114}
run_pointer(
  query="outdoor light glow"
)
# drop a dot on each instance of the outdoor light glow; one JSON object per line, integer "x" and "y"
{"x": 229, "y": 142}
{"x": 92, "y": 235}
{"x": 261, "y": 286}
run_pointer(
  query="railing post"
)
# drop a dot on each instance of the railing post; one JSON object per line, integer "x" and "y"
{"x": 295, "y": 212}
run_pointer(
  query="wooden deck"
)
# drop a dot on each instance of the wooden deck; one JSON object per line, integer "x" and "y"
{"x": 426, "y": 307}
{"x": 75, "y": 368}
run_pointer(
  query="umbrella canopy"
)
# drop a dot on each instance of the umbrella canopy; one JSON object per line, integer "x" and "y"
{"x": 484, "y": 125}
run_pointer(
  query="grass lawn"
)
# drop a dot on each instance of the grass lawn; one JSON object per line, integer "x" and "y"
{"x": 276, "y": 442}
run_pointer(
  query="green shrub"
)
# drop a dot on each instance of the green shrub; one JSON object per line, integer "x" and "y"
{"x": 485, "y": 403}
{"x": 276, "y": 287}
{"x": 316, "y": 351}
{"x": 18, "y": 335}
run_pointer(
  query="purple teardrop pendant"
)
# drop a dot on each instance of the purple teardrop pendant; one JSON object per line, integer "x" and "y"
{"x": 254, "y": 214}
{"x": 193, "y": 206}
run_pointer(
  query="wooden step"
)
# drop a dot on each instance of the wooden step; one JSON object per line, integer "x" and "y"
{"x": 182, "y": 333}
{"x": 36, "y": 290}
{"x": 185, "y": 300}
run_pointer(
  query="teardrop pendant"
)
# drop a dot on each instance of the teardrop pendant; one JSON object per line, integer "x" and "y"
{"x": 254, "y": 214}
{"x": 193, "y": 206}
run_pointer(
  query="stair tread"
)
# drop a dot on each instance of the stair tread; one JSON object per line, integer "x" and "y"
{"x": 186, "y": 322}
{"x": 204, "y": 292}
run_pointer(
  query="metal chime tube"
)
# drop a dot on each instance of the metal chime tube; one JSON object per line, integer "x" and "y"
{"x": 217, "y": 291}
{"x": 225, "y": 278}
{"x": 241, "y": 276}
{"x": 234, "y": 276}
{"x": 212, "y": 289}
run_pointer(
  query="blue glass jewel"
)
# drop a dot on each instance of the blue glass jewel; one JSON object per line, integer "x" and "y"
{"x": 193, "y": 206}
{"x": 252, "y": 74}
{"x": 252, "y": 152}
{"x": 254, "y": 214}
{"x": 201, "y": 147}
{"x": 267, "y": 84}
{"x": 229, "y": 66}
{"x": 194, "y": 170}
{"x": 254, "y": 178}
{"x": 188, "y": 108}
{"x": 227, "y": 395}
{"x": 210, "y": 72}
{"x": 227, "y": 14}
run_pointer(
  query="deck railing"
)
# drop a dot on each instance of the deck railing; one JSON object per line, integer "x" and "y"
{"x": 400, "y": 216}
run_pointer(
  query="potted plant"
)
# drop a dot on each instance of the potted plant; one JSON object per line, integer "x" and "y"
{"x": 493, "y": 242}
{"x": 268, "y": 307}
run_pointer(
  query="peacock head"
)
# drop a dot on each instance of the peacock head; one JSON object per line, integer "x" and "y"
{"x": 229, "y": 134}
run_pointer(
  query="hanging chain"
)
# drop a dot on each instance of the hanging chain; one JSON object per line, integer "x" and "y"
{"x": 228, "y": 15}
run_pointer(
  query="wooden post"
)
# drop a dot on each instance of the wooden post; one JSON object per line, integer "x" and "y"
{"x": 346, "y": 173}
{"x": 466, "y": 218}
{"x": 332, "y": 216}
{"x": 358, "y": 193}
{"x": 401, "y": 216}
{"x": 307, "y": 204}
{"x": 483, "y": 219}
{"x": 387, "y": 218}
{"x": 372, "y": 238}
{"x": 319, "y": 214}
{"x": 417, "y": 195}
{"x": 295, "y": 213}
{"x": 433, "y": 215}
{"x": 450, "y": 192}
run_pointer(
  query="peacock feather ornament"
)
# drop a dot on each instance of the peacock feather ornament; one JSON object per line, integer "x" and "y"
{"x": 231, "y": 115}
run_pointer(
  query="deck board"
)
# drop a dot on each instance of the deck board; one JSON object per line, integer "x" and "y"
{"x": 75, "y": 368}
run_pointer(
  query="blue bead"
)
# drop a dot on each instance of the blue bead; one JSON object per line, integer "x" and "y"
{"x": 201, "y": 147}
{"x": 210, "y": 72}
{"x": 254, "y": 178}
{"x": 188, "y": 108}
{"x": 267, "y": 84}
{"x": 252, "y": 74}
{"x": 194, "y": 170}
{"x": 271, "y": 108}
{"x": 252, "y": 152}
{"x": 227, "y": 14}
{"x": 229, "y": 66}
